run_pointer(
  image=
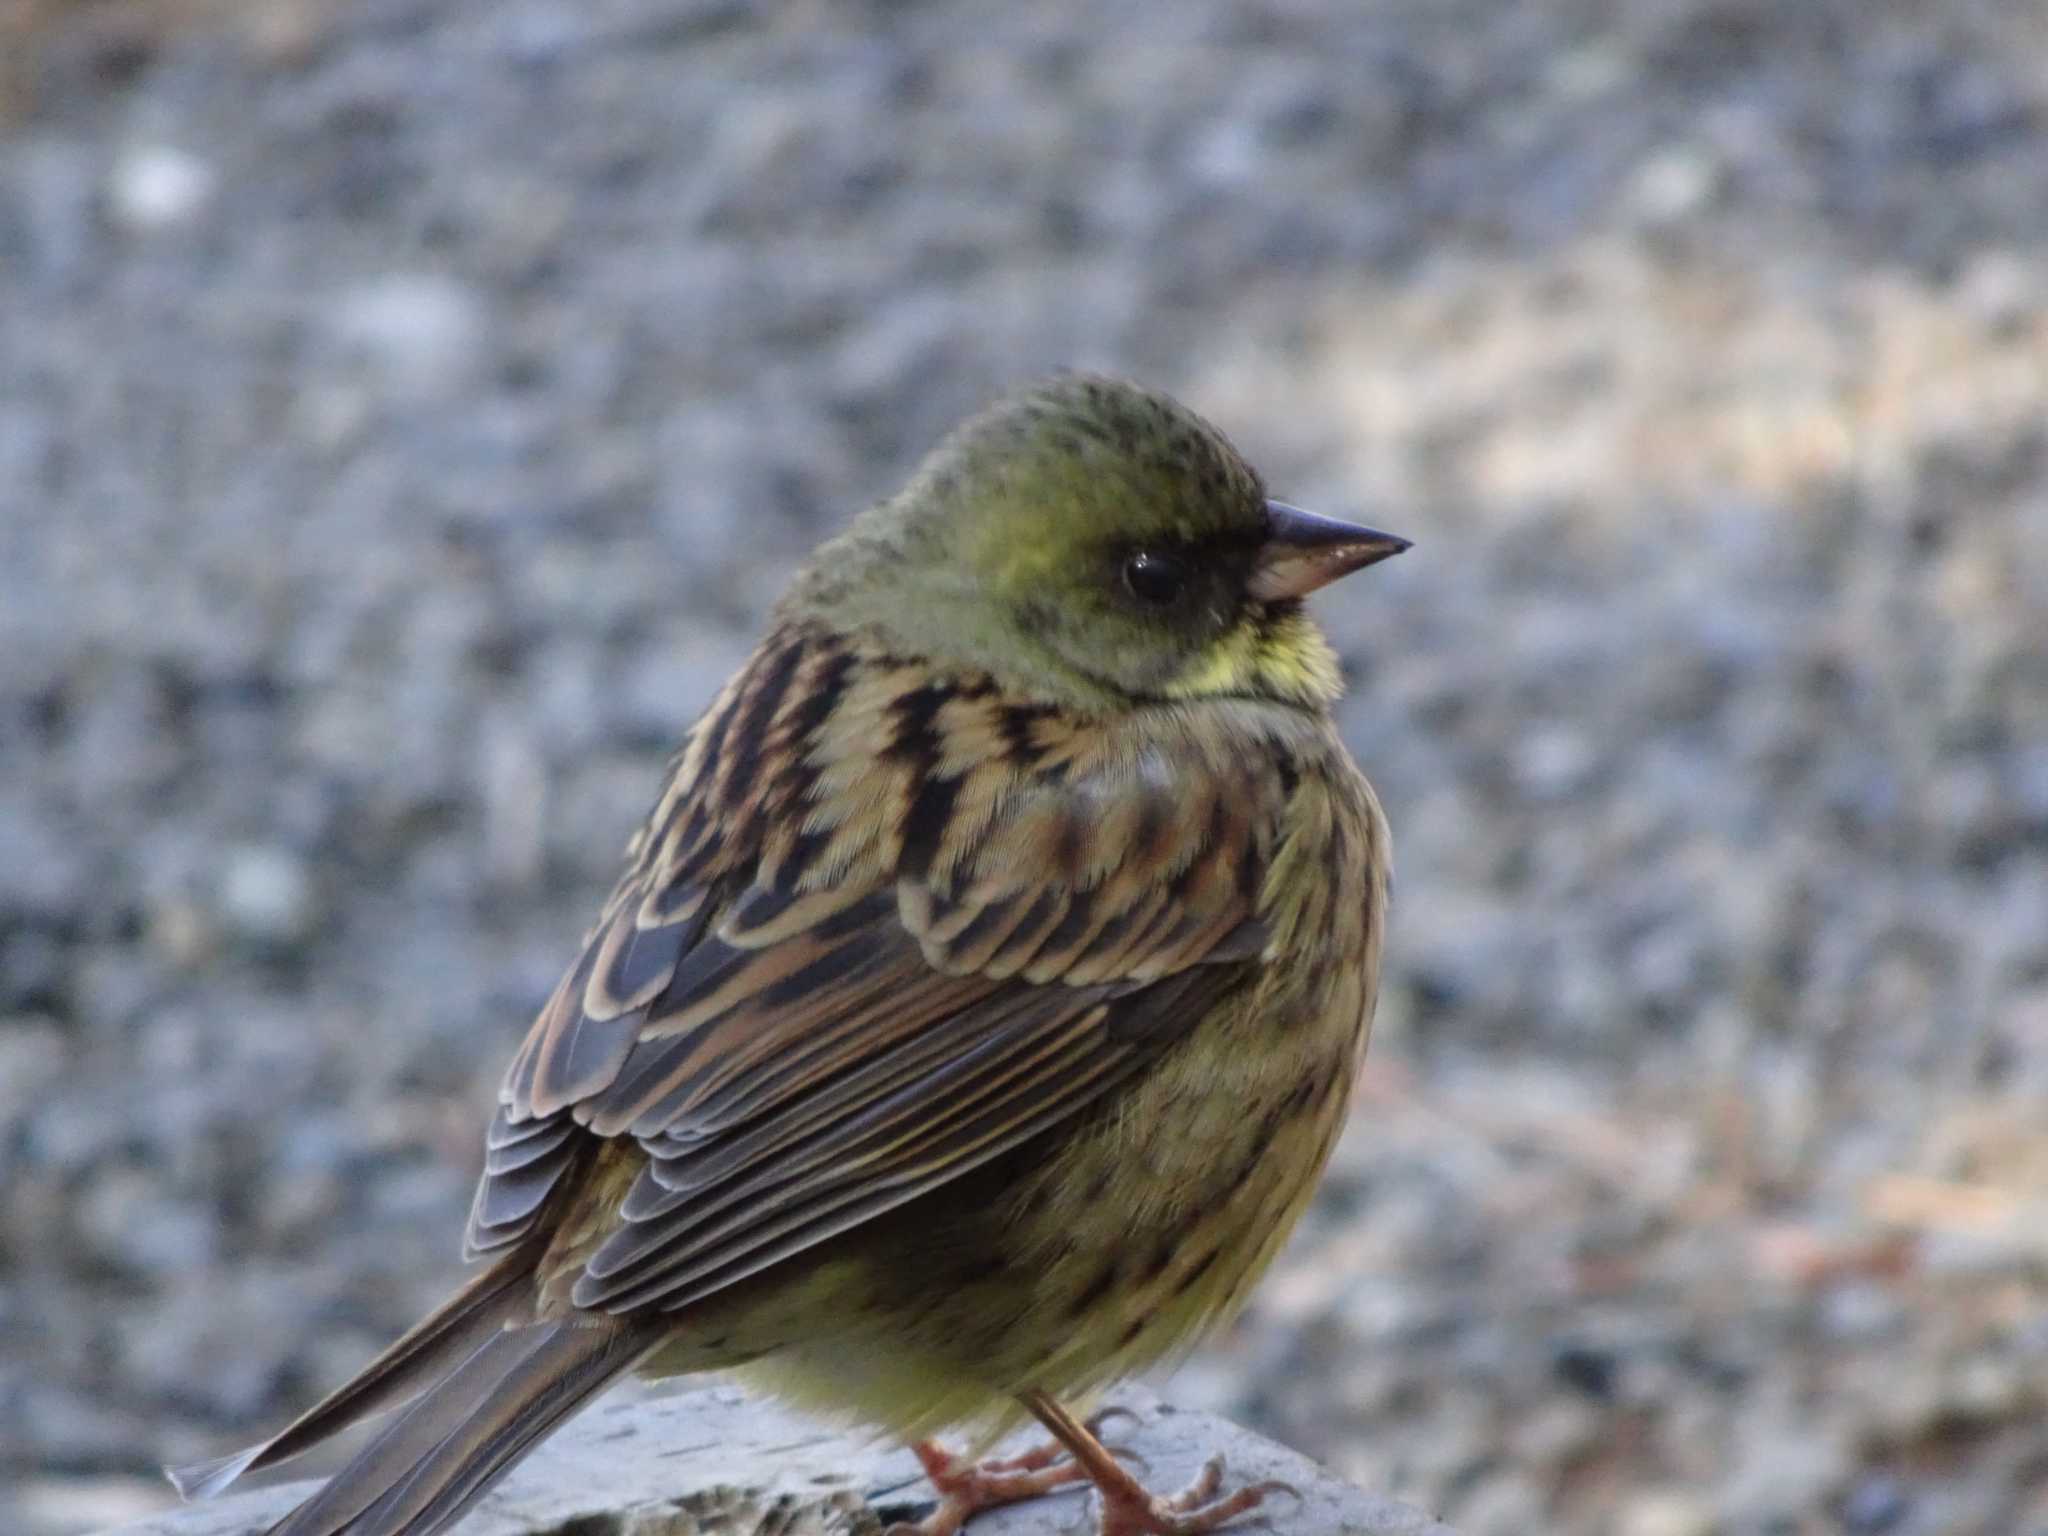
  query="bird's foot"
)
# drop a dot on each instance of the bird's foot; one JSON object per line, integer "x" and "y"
{"x": 1128, "y": 1507}
{"x": 1129, "y": 1510}
{"x": 967, "y": 1488}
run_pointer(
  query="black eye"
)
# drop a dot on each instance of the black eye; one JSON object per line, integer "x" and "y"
{"x": 1156, "y": 580}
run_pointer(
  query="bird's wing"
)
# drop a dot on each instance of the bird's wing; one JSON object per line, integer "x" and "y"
{"x": 878, "y": 930}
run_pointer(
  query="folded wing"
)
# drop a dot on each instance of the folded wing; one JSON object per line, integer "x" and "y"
{"x": 880, "y": 930}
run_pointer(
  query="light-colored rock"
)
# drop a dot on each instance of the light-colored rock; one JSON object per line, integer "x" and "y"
{"x": 714, "y": 1460}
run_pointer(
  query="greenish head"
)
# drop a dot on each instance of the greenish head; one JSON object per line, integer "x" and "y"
{"x": 1094, "y": 543}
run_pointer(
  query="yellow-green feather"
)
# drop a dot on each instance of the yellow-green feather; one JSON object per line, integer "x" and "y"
{"x": 1286, "y": 659}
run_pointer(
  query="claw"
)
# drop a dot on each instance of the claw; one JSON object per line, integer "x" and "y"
{"x": 1273, "y": 1485}
{"x": 1194, "y": 1511}
{"x": 1203, "y": 1488}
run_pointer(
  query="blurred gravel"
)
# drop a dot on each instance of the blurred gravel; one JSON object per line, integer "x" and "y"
{"x": 408, "y": 410}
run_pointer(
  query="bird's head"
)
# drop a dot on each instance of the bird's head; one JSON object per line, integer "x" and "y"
{"x": 1097, "y": 544}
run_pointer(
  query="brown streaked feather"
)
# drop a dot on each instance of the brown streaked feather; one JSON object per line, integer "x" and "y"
{"x": 1045, "y": 1051}
{"x": 799, "y": 1031}
{"x": 884, "y": 926}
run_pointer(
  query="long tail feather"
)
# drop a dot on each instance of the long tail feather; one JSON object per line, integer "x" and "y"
{"x": 427, "y": 1352}
{"x": 462, "y": 1435}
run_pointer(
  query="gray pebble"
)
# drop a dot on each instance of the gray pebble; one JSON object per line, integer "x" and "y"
{"x": 267, "y": 894}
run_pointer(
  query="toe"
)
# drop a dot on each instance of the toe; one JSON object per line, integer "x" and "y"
{"x": 1202, "y": 1489}
{"x": 1194, "y": 1511}
{"x": 966, "y": 1488}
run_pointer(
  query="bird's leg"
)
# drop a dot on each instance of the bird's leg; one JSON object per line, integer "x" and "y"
{"x": 1127, "y": 1508}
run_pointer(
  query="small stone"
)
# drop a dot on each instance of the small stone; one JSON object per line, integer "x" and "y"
{"x": 266, "y": 894}
{"x": 421, "y": 332}
{"x": 1673, "y": 184}
{"x": 1987, "y": 1391}
{"x": 1590, "y": 1369}
{"x": 2002, "y": 290}
{"x": 1665, "y": 1512}
{"x": 155, "y": 187}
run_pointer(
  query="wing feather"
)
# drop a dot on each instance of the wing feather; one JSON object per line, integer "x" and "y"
{"x": 882, "y": 928}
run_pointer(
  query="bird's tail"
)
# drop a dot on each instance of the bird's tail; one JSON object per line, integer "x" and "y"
{"x": 470, "y": 1429}
{"x": 432, "y": 1348}
{"x": 483, "y": 1382}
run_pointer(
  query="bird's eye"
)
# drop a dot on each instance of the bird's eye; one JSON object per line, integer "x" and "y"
{"x": 1154, "y": 579}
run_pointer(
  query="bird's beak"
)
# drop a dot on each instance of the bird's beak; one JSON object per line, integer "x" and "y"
{"x": 1304, "y": 550}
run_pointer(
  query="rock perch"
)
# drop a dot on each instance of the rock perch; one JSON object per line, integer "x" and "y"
{"x": 714, "y": 1462}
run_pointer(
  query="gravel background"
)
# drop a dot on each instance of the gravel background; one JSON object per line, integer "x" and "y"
{"x": 407, "y": 411}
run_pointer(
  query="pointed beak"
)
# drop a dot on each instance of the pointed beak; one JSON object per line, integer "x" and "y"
{"x": 1304, "y": 550}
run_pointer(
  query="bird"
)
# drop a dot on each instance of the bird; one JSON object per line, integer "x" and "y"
{"x": 976, "y": 1009}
